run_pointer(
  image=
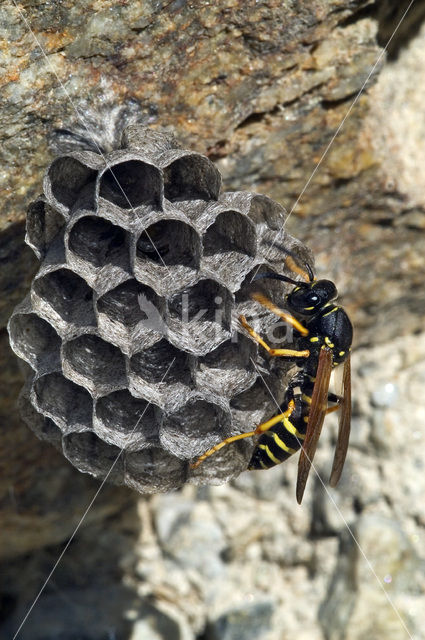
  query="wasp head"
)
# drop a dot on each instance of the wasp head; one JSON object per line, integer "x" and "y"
{"x": 308, "y": 298}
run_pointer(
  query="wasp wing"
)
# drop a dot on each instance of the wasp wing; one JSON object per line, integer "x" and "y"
{"x": 344, "y": 426}
{"x": 319, "y": 403}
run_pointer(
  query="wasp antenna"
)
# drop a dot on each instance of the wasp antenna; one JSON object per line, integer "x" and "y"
{"x": 276, "y": 276}
{"x": 306, "y": 274}
{"x": 305, "y": 271}
{"x": 309, "y": 271}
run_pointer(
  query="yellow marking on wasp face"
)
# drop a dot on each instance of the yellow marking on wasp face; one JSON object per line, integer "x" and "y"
{"x": 297, "y": 289}
{"x": 341, "y": 353}
{"x": 290, "y": 427}
{"x": 306, "y": 399}
{"x": 308, "y": 308}
{"x": 329, "y": 343}
{"x": 269, "y": 453}
{"x": 315, "y": 339}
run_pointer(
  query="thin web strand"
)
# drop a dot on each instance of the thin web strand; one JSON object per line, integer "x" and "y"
{"x": 64, "y": 550}
{"x": 83, "y": 124}
{"x": 324, "y": 154}
{"x": 337, "y": 509}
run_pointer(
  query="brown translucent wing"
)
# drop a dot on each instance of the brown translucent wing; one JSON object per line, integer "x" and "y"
{"x": 344, "y": 426}
{"x": 319, "y": 404}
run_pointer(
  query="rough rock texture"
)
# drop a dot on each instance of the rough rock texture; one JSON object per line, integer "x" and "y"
{"x": 261, "y": 88}
{"x": 130, "y": 329}
{"x": 350, "y": 566}
{"x": 244, "y": 561}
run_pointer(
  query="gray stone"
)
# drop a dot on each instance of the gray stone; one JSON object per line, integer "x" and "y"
{"x": 385, "y": 396}
{"x": 248, "y": 622}
{"x": 375, "y": 568}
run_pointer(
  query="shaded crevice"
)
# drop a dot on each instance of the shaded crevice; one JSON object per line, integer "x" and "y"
{"x": 260, "y": 116}
{"x": 257, "y": 116}
{"x": 369, "y": 11}
{"x": 333, "y": 104}
{"x": 389, "y": 16}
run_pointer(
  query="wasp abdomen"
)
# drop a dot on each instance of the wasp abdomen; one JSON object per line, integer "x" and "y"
{"x": 283, "y": 439}
{"x": 275, "y": 446}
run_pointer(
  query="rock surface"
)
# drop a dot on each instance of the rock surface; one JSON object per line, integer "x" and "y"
{"x": 244, "y": 560}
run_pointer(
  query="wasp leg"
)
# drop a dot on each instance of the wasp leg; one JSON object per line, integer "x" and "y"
{"x": 332, "y": 397}
{"x": 332, "y": 409}
{"x": 265, "y": 302}
{"x": 264, "y": 426}
{"x": 270, "y": 351}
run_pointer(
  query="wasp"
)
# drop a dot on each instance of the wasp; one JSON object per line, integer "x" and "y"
{"x": 322, "y": 341}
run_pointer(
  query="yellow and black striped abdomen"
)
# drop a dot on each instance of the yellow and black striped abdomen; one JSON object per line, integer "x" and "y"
{"x": 282, "y": 439}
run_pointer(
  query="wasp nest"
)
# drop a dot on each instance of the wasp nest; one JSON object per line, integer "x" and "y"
{"x": 136, "y": 365}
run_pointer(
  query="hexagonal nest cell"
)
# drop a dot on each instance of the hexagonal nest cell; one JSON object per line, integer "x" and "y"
{"x": 137, "y": 365}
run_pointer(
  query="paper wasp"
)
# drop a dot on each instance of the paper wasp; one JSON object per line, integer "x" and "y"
{"x": 323, "y": 341}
